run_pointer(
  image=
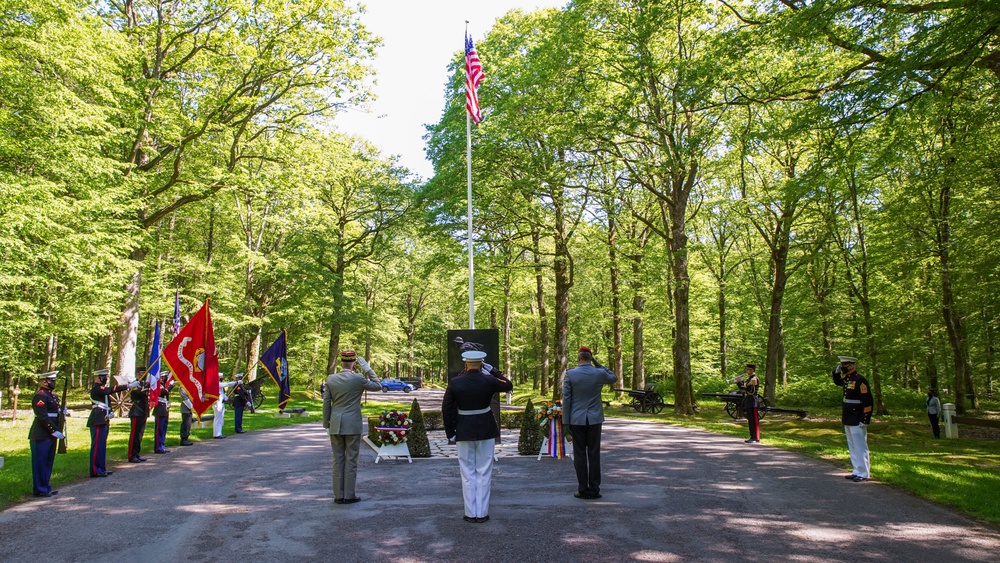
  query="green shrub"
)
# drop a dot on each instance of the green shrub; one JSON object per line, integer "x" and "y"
{"x": 530, "y": 439}
{"x": 417, "y": 439}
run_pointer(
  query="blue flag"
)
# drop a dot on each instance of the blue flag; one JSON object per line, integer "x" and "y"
{"x": 153, "y": 367}
{"x": 275, "y": 363}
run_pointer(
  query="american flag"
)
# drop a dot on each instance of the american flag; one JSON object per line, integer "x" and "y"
{"x": 473, "y": 76}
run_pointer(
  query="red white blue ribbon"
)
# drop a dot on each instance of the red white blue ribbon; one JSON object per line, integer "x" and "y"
{"x": 557, "y": 447}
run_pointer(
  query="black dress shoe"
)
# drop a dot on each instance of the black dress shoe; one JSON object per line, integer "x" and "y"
{"x": 187, "y": 443}
{"x": 338, "y": 501}
{"x": 42, "y": 494}
{"x": 469, "y": 518}
{"x": 99, "y": 475}
{"x": 352, "y": 500}
{"x": 483, "y": 519}
{"x": 141, "y": 458}
{"x": 582, "y": 495}
{"x": 856, "y": 479}
{"x": 594, "y": 496}
{"x": 219, "y": 437}
{"x": 133, "y": 460}
{"x": 161, "y": 452}
{"x": 108, "y": 473}
{"x": 851, "y": 476}
{"x": 241, "y": 431}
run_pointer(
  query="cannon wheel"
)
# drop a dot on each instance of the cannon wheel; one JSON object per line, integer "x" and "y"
{"x": 636, "y": 404}
{"x": 733, "y": 409}
{"x": 652, "y": 402}
{"x": 762, "y": 407}
{"x": 121, "y": 403}
{"x": 258, "y": 399}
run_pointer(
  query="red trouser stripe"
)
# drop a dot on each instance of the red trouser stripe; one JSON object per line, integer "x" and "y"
{"x": 93, "y": 450}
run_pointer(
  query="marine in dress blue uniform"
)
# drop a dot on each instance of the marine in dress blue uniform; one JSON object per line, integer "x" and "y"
{"x": 856, "y": 414}
{"x": 99, "y": 421}
{"x": 44, "y": 434}
{"x": 161, "y": 416}
{"x": 468, "y": 419}
{"x": 239, "y": 397}
{"x": 138, "y": 415}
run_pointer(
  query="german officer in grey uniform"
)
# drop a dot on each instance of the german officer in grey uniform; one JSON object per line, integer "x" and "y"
{"x": 44, "y": 434}
{"x": 583, "y": 412}
{"x": 99, "y": 420}
{"x": 468, "y": 419}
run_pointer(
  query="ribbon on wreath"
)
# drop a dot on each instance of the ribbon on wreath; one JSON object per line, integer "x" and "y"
{"x": 557, "y": 446}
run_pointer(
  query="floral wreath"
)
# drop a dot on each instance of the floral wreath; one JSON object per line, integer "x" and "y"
{"x": 400, "y": 424}
{"x": 550, "y": 410}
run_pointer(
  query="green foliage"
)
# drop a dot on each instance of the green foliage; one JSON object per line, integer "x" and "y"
{"x": 417, "y": 438}
{"x": 529, "y": 441}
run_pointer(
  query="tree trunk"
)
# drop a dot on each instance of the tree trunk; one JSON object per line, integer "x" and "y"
{"x": 128, "y": 325}
{"x": 779, "y": 263}
{"x": 51, "y": 352}
{"x": 616, "y": 313}
{"x": 253, "y": 355}
{"x": 564, "y": 281}
{"x": 723, "y": 343}
{"x": 683, "y": 399}
{"x": 543, "y": 319}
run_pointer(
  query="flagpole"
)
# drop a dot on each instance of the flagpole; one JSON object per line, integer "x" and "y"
{"x": 468, "y": 161}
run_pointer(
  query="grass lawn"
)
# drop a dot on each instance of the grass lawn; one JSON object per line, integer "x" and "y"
{"x": 963, "y": 473}
{"x": 15, "y": 477}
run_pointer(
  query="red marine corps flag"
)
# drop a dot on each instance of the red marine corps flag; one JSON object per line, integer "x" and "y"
{"x": 194, "y": 361}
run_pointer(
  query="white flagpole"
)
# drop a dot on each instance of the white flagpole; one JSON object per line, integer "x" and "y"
{"x": 468, "y": 159}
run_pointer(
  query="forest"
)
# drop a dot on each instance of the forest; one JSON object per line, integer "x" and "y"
{"x": 684, "y": 186}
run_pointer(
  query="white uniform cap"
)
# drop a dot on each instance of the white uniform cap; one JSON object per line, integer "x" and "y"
{"x": 473, "y": 356}
{"x": 48, "y": 375}
{"x": 847, "y": 360}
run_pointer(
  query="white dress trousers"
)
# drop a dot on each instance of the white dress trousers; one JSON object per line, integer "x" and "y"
{"x": 475, "y": 459}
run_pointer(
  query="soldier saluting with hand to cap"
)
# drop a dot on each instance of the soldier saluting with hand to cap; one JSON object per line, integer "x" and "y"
{"x": 856, "y": 414}
{"x": 44, "y": 434}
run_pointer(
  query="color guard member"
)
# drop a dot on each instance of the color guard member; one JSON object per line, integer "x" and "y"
{"x": 856, "y": 414}
{"x": 99, "y": 420}
{"x": 44, "y": 434}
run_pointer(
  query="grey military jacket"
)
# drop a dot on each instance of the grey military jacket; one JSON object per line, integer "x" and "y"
{"x": 342, "y": 401}
{"x": 582, "y": 394}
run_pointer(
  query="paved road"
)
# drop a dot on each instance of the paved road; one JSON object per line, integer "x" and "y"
{"x": 670, "y": 494}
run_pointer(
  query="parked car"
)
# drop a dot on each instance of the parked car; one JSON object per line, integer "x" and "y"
{"x": 395, "y": 385}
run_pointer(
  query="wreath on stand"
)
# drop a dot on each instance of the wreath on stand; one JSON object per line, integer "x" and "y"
{"x": 394, "y": 427}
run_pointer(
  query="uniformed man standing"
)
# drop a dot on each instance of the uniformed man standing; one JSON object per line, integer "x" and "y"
{"x": 99, "y": 420}
{"x": 219, "y": 408}
{"x": 186, "y": 416}
{"x": 342, "y": 419}
{"x": 239, "y": 397}
{"x": 161, "y": 415}
{"x": 468, "y": 419}
{"x": 750, "y": 403}
{"x": 138, "y": 415}
{"x": 856, "y": 414}
{"x": 583, "y": 414}
{"x": 44, "y": 434}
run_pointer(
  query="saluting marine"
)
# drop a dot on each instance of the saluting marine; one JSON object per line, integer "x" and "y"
{"x": 468, "y": 419}
{"x": 99, "y": 420}
{"x": 856, "y": 414}
{"x": 44, "y": 434}
{"x": 239, "y": 397}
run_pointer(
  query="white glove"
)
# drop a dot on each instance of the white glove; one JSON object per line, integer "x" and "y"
{"x": 59, "y": 435}
{"x": 487, "y": 368}
{"x": 363, "y": 364}
{"x": 133, "y": 384}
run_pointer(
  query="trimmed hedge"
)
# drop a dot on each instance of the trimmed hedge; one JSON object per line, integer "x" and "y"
{"x": 417, "y": 439}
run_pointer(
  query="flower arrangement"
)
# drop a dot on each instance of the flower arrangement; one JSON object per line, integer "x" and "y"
{"x": 393, "y": 419}
{"x": 549, "y": 410}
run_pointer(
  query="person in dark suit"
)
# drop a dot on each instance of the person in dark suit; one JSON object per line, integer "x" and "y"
{"x": 856, "y": 415}
{"x": 583, "y": 412}
{"x": 138, "y": 415}
{"x": 44, "y": 434}
{"x": 342, "y": 419}
{"x": 468, "y": 419}
{"x": 99, "y": 421}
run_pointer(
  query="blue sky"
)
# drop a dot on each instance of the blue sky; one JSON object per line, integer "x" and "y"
{"x": 419, "y": 39}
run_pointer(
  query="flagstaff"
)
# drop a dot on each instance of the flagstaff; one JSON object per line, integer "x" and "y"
{"x": 473, "y": 76}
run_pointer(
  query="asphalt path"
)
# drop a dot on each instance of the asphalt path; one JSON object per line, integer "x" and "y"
{"x": 670, "y": 494}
